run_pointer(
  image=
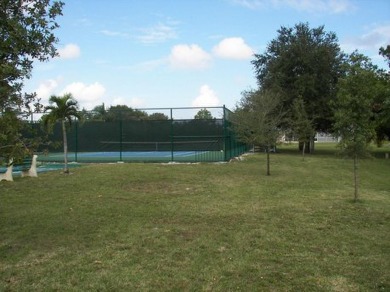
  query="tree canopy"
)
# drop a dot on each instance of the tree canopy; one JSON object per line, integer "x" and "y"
{"x": 203, "y": 114}
{"x": 26, "y": 35}
{"x": 120, "y": 113}
{"x": 302, "y": 62}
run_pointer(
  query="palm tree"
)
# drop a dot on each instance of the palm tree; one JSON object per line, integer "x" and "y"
{"x": 63, "y": 109}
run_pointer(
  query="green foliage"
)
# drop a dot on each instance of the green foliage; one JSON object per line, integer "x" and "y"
{"x": 385, "y": 52}
{"x": 120, "y": 113}
{"x": 354, "y": 115}
{"x": 158, "y": 117}
{"x": 98, "y": 113}
{"x": 381, "y": 107}
{"x": 302, "y": 126}
{"x": 26, "y": 35}
{"x": 302, "y": 62}
{"x": 203, "y": 114}
{"x": 257, "y": 119}
{"x": 12, "y": 144}
{"x": 61, "y": 108}
{"x": 123, "y": 112}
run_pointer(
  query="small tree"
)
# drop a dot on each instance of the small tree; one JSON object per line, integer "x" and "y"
{"x": 302, "y": 126}
{"x": 257, "y": 120}
{"x": 63, "y": 109}
{"x": 354, "y": 117}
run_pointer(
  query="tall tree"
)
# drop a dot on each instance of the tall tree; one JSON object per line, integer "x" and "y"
{"x": 257, "y": 120}
{"x": 62, "y": 109}
{"x": 26, "y": 35}
{"x": 302, "y": 62}
{"x": 354, "y": 115}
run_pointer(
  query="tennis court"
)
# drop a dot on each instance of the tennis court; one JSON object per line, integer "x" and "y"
{"x": 140, "y": 156}
{"x": 147, "y": 140}
{"x": 42, "y": 167}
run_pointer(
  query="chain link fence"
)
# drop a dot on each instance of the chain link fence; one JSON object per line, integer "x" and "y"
{"x": 165, "y": 135}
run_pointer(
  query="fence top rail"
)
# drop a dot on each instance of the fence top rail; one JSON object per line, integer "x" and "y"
{"x": 179, "y": 108}
{"x": 175, "y": 113}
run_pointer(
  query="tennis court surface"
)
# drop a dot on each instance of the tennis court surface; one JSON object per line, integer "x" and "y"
{"x": 137, "y": 156}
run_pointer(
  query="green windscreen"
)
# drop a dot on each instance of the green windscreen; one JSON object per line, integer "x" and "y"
{"x": 167, "y": 139}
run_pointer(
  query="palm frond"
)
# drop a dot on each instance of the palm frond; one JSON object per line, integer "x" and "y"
{"x": 61, "y": 108}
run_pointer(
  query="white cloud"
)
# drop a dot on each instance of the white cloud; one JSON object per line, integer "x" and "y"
{"x": 148, "y": 66}
{"x": 233, "y": 48}
{"x": 157, "y": 34}
{"x": 189, "y": 57}
{"x": 206, "y": 97}
{"x": 83, "y": 22}
{"x": 251, "y": 4}
{"x": 337, "y": 6}
{"x": 87, "y": 95}
{"x": 111, "y": 33}
{"x": 46, "y": 89}
{"x": 322, "y": 6}
{"x": 135, "y": 102}
{"x": 375, "y": 38}
{"x": 310, "y": 6}
{"x": 70, "y": 51}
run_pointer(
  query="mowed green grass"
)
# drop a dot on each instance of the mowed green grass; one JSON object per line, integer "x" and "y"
{"x": 200, "y": 227}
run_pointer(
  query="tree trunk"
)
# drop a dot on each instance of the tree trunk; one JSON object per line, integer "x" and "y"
{"x": 268, "y": 161}
{"x": 311, "y": 146}
{"x": 356, "y": 177}
{"x": 303, "y": 151}
{"x": 306, "y": 145}
{"x": 66, "y": 170}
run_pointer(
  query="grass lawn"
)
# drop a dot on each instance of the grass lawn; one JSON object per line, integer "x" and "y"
{"x": 200, "y": 227}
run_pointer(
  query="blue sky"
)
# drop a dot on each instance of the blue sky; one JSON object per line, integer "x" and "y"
{"x": 182, "y": 53}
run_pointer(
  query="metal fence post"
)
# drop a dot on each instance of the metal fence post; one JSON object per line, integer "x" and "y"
{"x": 120, "y": 139}
{"x": 225, "y": 138}
{"x": 77, "y": 140}
{"x": 172, "y": 156}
